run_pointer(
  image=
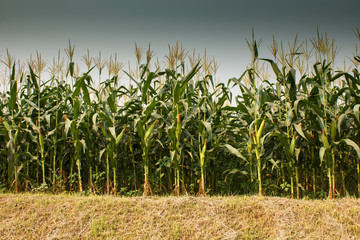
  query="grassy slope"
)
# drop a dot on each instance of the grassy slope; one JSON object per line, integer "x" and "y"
{"x": 97, "y": 217}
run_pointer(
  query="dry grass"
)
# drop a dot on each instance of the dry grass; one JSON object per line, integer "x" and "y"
{"x": 105, "y": 217}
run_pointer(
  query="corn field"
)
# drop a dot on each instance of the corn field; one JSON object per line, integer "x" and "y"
{"x": 173, "y": 128}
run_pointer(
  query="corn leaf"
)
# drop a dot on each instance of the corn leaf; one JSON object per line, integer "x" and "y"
{"x": 235, "y": 152}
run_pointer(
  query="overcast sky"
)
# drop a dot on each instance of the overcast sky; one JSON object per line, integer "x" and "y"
{"x": 221, "y": 26}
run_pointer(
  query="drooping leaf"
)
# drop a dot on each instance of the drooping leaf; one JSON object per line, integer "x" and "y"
{"x": 208, "y": 128}
{"x": 67, "y": 126}
{"x": 340, "y": 120}
{"x": 233, "y": 171}
{"x": 350, "y": 143}
{"x": 113, "y": 132}
{"x": 235, "y": 151}
{"x": 357, "y": 111}
{"x": 86, "y": 94}
{"x": 275, "y": 68}
{"x": 322, "y": 153}
{"x": 298, "y": 128}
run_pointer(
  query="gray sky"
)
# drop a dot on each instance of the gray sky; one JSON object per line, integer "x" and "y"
{"x": 220, "y": 26}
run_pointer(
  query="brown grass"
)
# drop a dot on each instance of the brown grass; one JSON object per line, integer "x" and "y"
{"x": 104, "y": 217}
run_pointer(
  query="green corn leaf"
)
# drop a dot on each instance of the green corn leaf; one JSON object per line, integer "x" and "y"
{"x": 275, "y": 68}
{"x": 340, "y": 120}
{"x": 76, "y": 108}
{"x": 356, "y": 111}
{"x": 16, "y": 136}
{"x": 149, "y": 131}
{"x": 113, "y": 132}
{"x": 120, "y": 136}
{"x": 33, "y": 105}
{"x": 298, "y": 128}
{"x": 140, "y": 127}
{"x": 235, "y": 170}
{"x": 77, "y": 86}
{"x": 83, "y": 144}
{"x": 94, "y": 121}
{"x": 7, "y": 126}
{"x": 235, "y": 152}
{"x": 104, "y": 132}
{"x": 202, "y": 154}
{"x": 149, "y": 109}
{"x": 350, "y": 143}
{"x": 146, "y": 86}
{"x": 13, "y": 90}
{"x": 312, "y": 106}
{"x": 274, "y": 164}
{"x": 181, "y": 85}
{"x": 260, "y": 131}
{"x": 80, "y": 84}
{"x": 256, "y": 53}
{"x": 354, "y": 145}
{"x": 67, "y": 126}
{"x": 176, "y": 92}
{"x": 86, "y": 94}
{"x": 48, "y": 118}
{"x": 51, "y": 132}
{"x": 32, "y": 125}
{"x": 171, "y": 134}
{"x": 172, "y": 155}
{"x": 333, "y": 130}
{"x": 322, "y": 153}
{"x": 101, "y": 153}
{"x": 325, "y": 140}
{"x": 71, "y": 69}
{"x": 208, "y": 128}
{"x": 321, "y": 123}
{"x": 106, "y": 118}
{"x": 189, "y": 76}
{"x": 111, "y": 103}
{"x": 33, "y": 80}
{"x": 292, "y": 146}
